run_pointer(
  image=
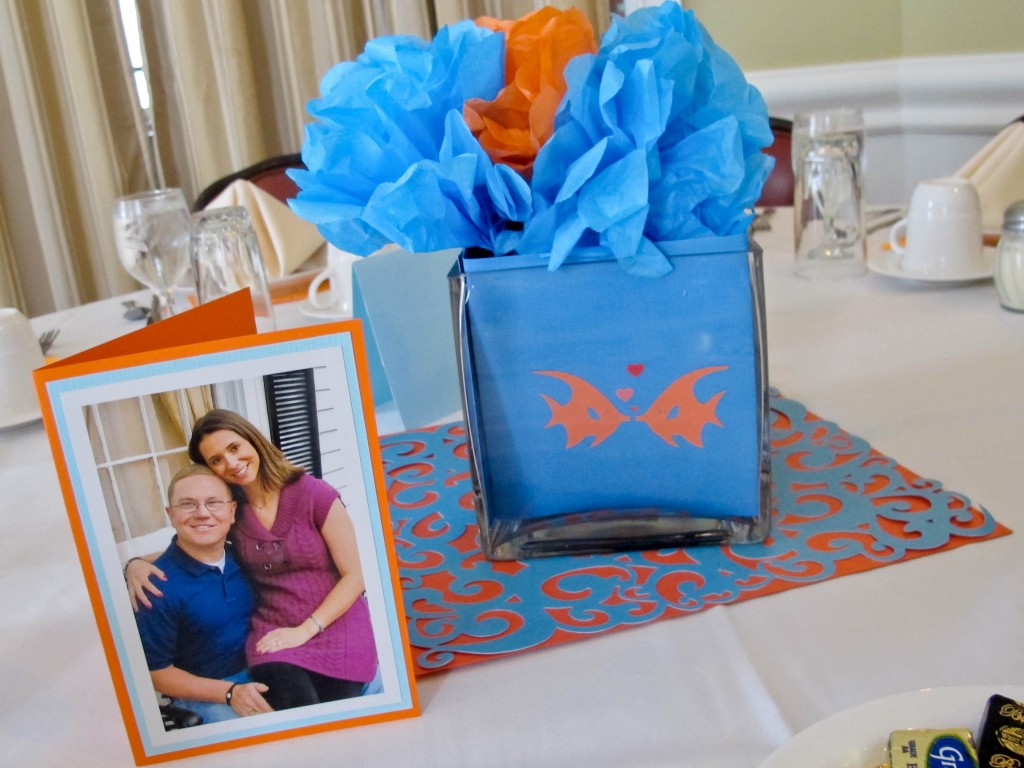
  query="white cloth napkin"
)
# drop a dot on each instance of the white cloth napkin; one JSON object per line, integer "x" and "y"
{"x": 997, "y": 172}
{"x": 286, "y": 241}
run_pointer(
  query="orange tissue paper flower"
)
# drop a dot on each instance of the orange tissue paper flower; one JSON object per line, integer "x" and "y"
{"x": 515, "y": 125}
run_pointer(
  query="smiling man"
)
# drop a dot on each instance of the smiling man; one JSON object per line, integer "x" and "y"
{"x": 194, "y": 638}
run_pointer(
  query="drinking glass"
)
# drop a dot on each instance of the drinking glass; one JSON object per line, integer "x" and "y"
{"x": 226, "y": 258}
{"x": 828, "y": 213}
{"x": 152, "y": 231}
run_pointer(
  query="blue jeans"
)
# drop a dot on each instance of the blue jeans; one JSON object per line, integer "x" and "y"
{"x": 374, "y": 686}
{"x": 211, "y": 711}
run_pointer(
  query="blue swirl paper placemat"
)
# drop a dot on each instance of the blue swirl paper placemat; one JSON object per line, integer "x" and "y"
{"x": 839, "y": 507}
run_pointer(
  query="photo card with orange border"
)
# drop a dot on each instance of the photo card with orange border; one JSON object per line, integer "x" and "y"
{"x": 241, "y": 591}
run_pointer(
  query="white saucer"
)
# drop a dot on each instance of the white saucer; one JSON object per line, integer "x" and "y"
{"x": 21, "y": 419}
{"x": 858, "y": 737}
{"x": 888, "y": 263}
{"x": 327, "y": 313}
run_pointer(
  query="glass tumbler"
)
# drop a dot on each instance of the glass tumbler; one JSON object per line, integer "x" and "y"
{"x": 226, "y": 258}
{"x": 828, "y": 205}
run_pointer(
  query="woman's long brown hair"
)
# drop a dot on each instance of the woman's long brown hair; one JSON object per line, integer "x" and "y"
{"x": 275, "y": 469}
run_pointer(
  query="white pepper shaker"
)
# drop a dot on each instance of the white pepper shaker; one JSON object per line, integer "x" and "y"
{"x": 1010, "y": 259}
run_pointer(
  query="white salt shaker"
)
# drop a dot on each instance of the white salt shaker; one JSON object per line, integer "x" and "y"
{"x": 1010, "y": 259}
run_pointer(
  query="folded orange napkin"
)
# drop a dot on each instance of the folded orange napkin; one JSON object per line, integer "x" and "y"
{"x": 286, "y": 241}
{"x": 997, "y": 172}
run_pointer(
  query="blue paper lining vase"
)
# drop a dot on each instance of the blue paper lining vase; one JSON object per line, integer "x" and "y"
{"x": 607, "y": 411}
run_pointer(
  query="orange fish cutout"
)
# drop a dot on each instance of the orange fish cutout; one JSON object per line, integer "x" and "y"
{"x": 587, "y": 413}
{"x": 676, "y": 412}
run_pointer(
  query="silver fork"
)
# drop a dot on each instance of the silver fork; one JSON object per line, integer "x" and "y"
{"x": 47, "y": 338}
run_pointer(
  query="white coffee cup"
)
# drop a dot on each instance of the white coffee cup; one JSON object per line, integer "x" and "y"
{"x": 19, "y": 356}
{"x": 338, "y": 274}
{"x": 942, "y": 230}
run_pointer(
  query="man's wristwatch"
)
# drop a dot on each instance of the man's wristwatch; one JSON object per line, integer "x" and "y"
{"x": 230, "y": 694}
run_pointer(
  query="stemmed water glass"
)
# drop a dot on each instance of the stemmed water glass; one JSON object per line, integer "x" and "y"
{"x": 152, "y": 231}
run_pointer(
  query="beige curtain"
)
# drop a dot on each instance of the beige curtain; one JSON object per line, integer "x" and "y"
{"x": 69, "y": 130}
{"x": 229, "y": 79}
{"x": 196, "y": 401}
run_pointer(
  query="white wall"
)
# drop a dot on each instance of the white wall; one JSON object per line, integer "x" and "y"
{"x": 925, "y": 116}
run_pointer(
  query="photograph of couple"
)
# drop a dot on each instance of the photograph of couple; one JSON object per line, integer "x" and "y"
{"x": 235, "y": 519}
{"x": 257, "y": 604}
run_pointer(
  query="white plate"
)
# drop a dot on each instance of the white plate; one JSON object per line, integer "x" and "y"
{"x": 858, "y": 737}
{"x": 884, "y": 262}
{"x": 21, "y": 419}
{"x": 328, "y": 313}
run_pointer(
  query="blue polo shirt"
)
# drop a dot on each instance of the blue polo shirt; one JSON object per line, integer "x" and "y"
{"x": 201, "y": 622}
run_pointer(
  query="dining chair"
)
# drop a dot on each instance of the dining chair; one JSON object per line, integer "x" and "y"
{"x": 778, "y": 189}
{"x": 269, "y": 175}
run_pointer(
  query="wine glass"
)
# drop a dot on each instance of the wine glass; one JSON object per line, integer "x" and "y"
{"x": 152, "y": 231}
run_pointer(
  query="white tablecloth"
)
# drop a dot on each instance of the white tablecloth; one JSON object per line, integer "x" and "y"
{"x": 933, "y": 376}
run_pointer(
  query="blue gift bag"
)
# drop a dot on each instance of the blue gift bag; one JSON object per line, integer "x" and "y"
{"x": 608, "y": 411}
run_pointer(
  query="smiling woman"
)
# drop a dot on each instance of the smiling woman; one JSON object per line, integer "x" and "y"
{"x": 240, "y": 454}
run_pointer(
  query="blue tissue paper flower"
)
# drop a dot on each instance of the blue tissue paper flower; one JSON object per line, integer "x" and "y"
{"x": 658, "y": 138}
{"x": 390, "y": 158}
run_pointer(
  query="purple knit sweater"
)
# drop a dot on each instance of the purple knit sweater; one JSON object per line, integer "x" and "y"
{"x": 292, "y": 571}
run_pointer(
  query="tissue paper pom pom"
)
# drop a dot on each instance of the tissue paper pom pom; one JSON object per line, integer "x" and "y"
{"x": 658, "y": 138}
{"x": 514, "y": 126}
{"x": 390, "y": 158}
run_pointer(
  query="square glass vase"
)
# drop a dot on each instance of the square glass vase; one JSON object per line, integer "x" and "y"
{"x": 607, "y": 411}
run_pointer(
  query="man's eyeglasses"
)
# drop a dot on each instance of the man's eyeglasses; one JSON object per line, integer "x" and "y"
{"x": 189, "y": 507}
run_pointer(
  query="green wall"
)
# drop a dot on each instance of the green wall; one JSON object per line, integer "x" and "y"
{"x": 778, "y": 34}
